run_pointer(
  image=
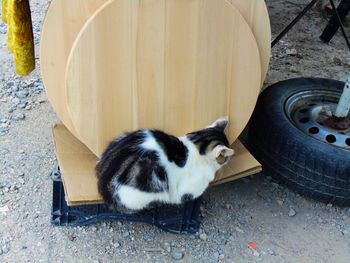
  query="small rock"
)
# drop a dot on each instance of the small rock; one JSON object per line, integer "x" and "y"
{"x": 329, "y": 205}
{"x": 71, "y": 238}
{"x": 222, "y": 257}
{"x": 28, "y": 107}
{"x": 280, "y": 202}
{"x": 203, "y": 236}
{"x": 4, "y": 151}
{"x": 228, "y": 206}
{"x": 3, "y": 131}
{"x": 337, "y": 61}
{"x": 167, "y": 247}
{"x": 11, "y": 109}
{"x": 291, "y": 212}
{"x": 291, "y": 52}
{"x": 271, "y": 252}
{"x": 16, "y": 101}
{"x": 216, "y": 255}
{"x": 22, "y": 94}
{"x": 177, "y": 255}
{"x": 293, "y": 69}
{"x": 21, "y": 105}
{"x": 116, "y": 244}
{"x": 21, "y": 181}
{"x": 19, "y": 116}
{"x": 4, "y": 120}
{"x": 125, "y": 234}
{"x": 94, "y": 229}
{"x": 239, "y": 230}
{"x": 256, "y": 253}
{"x": 20, "y": 174}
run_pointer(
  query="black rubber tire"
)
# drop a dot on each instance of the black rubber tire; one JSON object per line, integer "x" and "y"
{"x": 303, "y": 163}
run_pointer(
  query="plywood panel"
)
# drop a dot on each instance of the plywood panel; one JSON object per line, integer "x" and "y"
{"x": 256, "y": 15}
{"x": 77, "y": 165}
{"x": 63, "y": 21}
{"x": 175, "y": 65}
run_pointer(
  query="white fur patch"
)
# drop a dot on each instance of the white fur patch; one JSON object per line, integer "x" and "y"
{"x": 192, "y": 179}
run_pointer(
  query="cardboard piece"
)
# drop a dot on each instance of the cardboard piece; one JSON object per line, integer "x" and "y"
{"x": 77, "y": 164}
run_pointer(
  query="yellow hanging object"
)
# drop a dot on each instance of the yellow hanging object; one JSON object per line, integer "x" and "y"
{"x": 7, "y": 14}
{"x": 20, "y": 36}
{"x": 4, "y": 11}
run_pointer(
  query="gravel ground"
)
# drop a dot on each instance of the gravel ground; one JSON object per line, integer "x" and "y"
{"x": 284, "y": 226}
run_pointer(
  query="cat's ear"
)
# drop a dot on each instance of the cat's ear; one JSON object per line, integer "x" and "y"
{"x": 220, "y": 123}
{"x": 223, "y": 151}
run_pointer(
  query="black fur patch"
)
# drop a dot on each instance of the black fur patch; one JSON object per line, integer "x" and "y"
{"x": 203, "y": 138}
{"x": 186, "y": 197}
{"x": 113, "y": 159}
{"x": 175, "y": 150}
{"x": 145, "y": 181}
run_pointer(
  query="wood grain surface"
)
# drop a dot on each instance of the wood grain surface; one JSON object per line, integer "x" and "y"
{"x": 63, "y": 20}
{"x": 175, "y": 65}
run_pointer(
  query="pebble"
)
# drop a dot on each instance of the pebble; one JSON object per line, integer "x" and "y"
{"x": 11, "y": 109}
{"x": 256, "y": 253}
{"x": 16, "y": 101}
{"x": 22, "y": 105}
{"x": 280, "y": 202}
{"x": 216, "y": 255}
{"x": 4, "y": 151}
{"x": 177, "y": 255}
{"x": 22, "y": 94}
{"x": 271, "y": 252}
{"x": 28, "y": 107}
{"x": 116, "y": 244}
{"x": 125, "y": 234}
{"x": 71, "y": 238}
{"x": 222, "y": 257}
{"x": 337, "y": 61}
{"x": 203, "y": 236}
{"x": 291, "y": 212}
{"x": 21, "y": 181}
{"x": 291, "y": 52}
{"x": 19, "y": 116}
{"x": 3, "y": 131}
{"x": 239, "y": 230}
{"x": 293, "y": 69}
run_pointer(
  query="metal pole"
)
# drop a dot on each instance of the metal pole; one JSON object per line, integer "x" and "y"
{"x": 343, "y": 106}
{"x": 295, "y": 20}
{"x": 340, "y": 23}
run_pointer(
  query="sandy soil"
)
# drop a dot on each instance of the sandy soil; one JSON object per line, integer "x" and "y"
{"x": 255, "y": 209}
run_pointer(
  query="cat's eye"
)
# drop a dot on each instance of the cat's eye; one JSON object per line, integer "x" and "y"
{"x": 221, "y": 159}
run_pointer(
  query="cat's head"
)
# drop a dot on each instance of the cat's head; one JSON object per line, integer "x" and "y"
{"x": 212, "y": 143}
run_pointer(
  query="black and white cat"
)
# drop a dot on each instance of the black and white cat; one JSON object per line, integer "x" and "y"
{"x": 149, "y": 166}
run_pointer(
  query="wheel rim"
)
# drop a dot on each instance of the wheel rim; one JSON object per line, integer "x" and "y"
{"x": 308, "y": 110}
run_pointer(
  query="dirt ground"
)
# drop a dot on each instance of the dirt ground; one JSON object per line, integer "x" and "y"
{"x": 285, "y": 227}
